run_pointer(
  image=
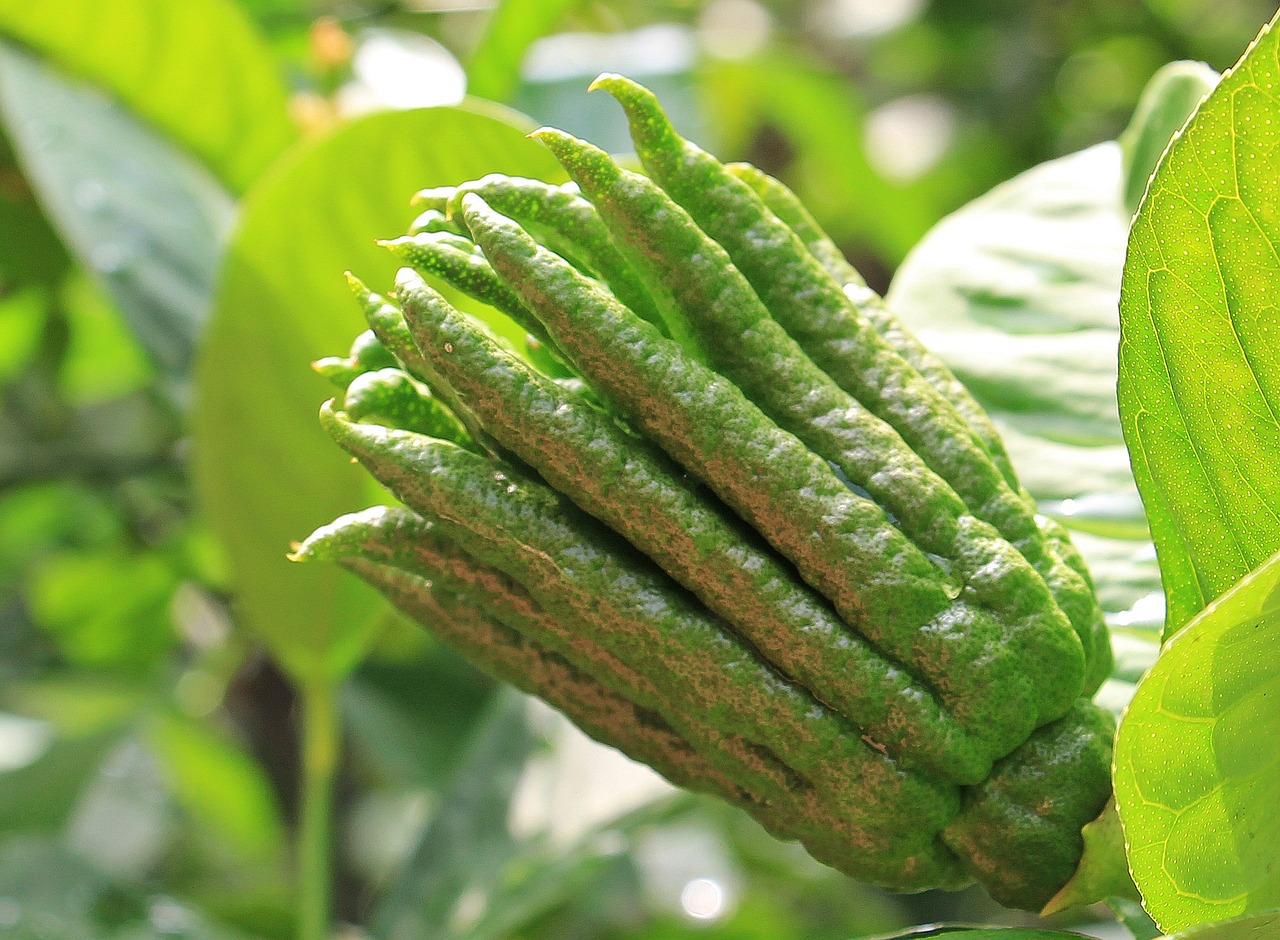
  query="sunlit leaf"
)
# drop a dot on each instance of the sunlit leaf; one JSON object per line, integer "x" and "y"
{"x": 196, "y": 70}
{"x": 1197, "y": 766}
{"x": 144, "y": 217}
{"x": 1199, "y": 362}
{"x": 266, "y": 473}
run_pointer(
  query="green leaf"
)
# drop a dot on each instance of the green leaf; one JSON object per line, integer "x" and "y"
{"x": 196, "y": 70}
{"x": 1197, "y": 761}
{"x": 1255, "y": 927}
{"x": 1199, "y": 364}
{"x": 265, "y": 472}
{"x": 1017, "y": 293}
{"x": 107, "y": 610}
{"x": 142, "y": 216}
{"x": 494, "y": 69}
{"x": 1169, "y": 99}
{"x": 220, "y": 786}
{"x": 1103, "y": 872}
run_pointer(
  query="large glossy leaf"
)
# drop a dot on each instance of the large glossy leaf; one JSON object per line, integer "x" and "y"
{"x": 143, "y": 216}
{"x": 1017, "y": 293}
{"x": 196, "y": 70}
{"x": 266, "y": 474}
{"x": 1199, "y": 363}
{"x": 1197, "y": 766}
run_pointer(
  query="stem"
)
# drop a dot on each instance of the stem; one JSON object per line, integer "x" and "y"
{"x": 320, "y": 741}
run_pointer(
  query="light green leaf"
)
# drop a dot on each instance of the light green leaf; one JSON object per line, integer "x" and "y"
{"x": 1197, "y": 765}
{"x": 1173, "y": 93}
{"x": 494, "y": 69}
{"x": 265, "y": 472}
{"x": 220, "y": 786}
{"x": 1199, "y": 362}
{"x": 1017, "y": 292}
{"x": 196, "y": 70}
{"x": 141, "y": 215}
{"x": 1255, "y": 927}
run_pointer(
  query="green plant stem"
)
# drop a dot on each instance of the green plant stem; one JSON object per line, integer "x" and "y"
{"x": 320, "y": 742}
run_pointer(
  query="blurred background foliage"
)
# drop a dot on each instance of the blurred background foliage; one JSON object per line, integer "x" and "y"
{"x": 151, "y": 732}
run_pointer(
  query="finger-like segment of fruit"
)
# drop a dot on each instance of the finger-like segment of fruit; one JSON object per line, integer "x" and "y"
{"x": 398, "y": 551}
{"x": 460, "y": 264}
{"x": 367, "y": 353}
{"x": 400, "y": 539}
{"x": 638, "y": 732}
{"x": 750, "y": 348}
{"x": 433, "y": 220}
{"x": 508, "y": 655}
{"x": 387, "y": 323}
{"x": 1019, "y": 831}
{"x": 841, "y": 543}
{"x": 783, "y": 203}
{"x": 558, "y": 217}
{"x": 394, "y": 398}
{"x": 636, "y": 490}
{"x": 575, "y": 569}
{"x": 813, "y": 308}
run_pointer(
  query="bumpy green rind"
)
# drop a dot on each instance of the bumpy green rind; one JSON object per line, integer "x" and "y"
{"x": 841, "y": 543}
{"x": 610, "y": 719}
{"x": 787, "y": 207}
{"x": 752, "y": 350}
{"x": 637, "y": 491}
{"x": 574, "y": 569}
{"x": 367, "y": 353}
{"x": 813, "y": 308}
{"x": 560, "y": 218}
{"x": 1019, "y": 832}
{"x": 394, "y": 398}
{"x": 400, "y": 539}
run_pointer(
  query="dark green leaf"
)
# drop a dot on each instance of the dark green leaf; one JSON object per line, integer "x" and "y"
{"x": 1199, "y": 363}
{"x": 1197, "y": 759}
{"x": 196, "y": 71}
{"x": 266, "y": 473}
